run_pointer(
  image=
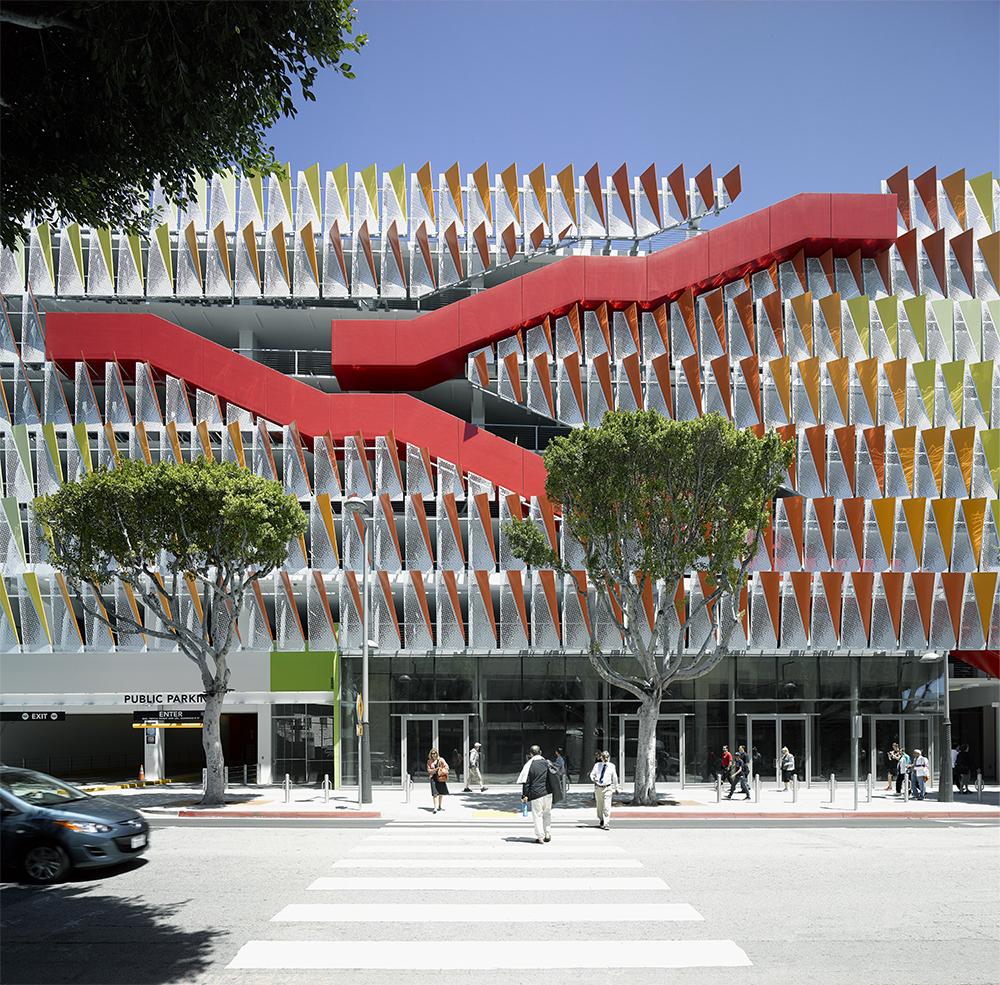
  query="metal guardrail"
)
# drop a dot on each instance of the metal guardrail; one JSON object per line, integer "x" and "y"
{"x": 293, "y": 362}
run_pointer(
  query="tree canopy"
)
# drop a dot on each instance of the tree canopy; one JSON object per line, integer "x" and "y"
{"x": 651, "y": 500}
{"x": 99, "y": 98}
{"x": 201, "y": 530}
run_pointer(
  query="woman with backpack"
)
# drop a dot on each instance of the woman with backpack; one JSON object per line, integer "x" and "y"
{"x": 437, "y": 770}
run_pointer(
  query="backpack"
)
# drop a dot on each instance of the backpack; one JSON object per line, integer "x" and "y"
{"x": 553, "y": 782}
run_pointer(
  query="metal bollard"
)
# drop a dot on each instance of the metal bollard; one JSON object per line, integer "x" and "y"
{"x": 795, "y": 788}
{"x": 756, "y": 789}
{"x": 718, "y": 788}
{"x": 288, "y": 788}
{"x": 906, "y": 787}
{"x": 407, "y": 785}
{"x": 979, "y": 785}
{"x": 326, "y": 787}
{"x": 225, "y": 777}
{"x": 244, "y": 774}
{"x": 204, "y": 779}
{"x": 833, "y": 787}
{"x": 869, "y": 789}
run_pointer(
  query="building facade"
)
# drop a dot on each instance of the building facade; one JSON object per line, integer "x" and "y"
{"x": 415, "y": 340}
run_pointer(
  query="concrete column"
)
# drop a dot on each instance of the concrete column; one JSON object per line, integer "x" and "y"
{"x": 154, "y": 762}
{"x": 478, "y": 407}
{"x": 263, "y": 743}
{"x": 246, "y": 341}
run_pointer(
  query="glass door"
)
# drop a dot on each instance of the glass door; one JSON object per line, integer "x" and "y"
{"x": 883, "y": 731}
{"x": 794, "y": 733}
{"x": 669, "y": 747}
{"x": 762, "y": 743}
{"x": 453, "y": 745}
{"x": 767, "y": 734}
{"x": 449, "y": 734}
{"x": 910, "y": 731}
{"x": 918, "y": 734}
{"x": 418, "y": 740}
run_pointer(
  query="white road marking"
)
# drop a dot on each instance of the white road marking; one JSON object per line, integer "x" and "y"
{"x": 497, "y": 848}
{"x": 526, "y": 861}
{"x": 377, "y": 955}
{"x": 425, "y": 913}
{"x": 498, "y": 884}
{"x": 589, "y": 833}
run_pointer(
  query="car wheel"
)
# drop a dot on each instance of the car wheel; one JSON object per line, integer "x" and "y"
{"x": 45, "y": 863}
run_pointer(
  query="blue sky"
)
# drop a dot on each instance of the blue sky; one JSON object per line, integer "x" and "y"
{"x": 804, "y": 96}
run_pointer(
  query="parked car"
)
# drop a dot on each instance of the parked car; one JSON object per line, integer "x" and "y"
{"x": 48, "y": 826}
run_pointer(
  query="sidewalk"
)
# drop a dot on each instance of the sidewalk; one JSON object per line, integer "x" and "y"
{"x": 503, "y": 803}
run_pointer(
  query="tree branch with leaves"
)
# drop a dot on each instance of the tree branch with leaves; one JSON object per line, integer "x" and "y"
{"x": 654, "y": 502}
{"x": 206, "y": 528}
{"x": 101, "y": 99}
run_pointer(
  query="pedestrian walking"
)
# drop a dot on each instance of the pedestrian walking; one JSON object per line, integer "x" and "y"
{"x": 534, "y": 780}
{"x": 902, "y": 771}
{"x": 738, "y": 773}
{"x": 605, "y": 778}
{"x": 437, "y": 770}
{"x": 560, "y": 764}
{"x": 787, "y": 764}
{"x": 921, "y": 775}
{"x": 727, "y": 760}
{"x": 756, "y": 762}
{"x": 891, "y": 764}
{"x": 475, "y": 773}
{"x": 963, "y": 769}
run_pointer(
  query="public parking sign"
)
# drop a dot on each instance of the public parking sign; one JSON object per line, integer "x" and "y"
{"x": 167, "y": 718}
{"x": 33, "y": 716}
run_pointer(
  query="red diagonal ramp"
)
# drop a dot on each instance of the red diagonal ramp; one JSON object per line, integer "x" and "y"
{"x": 132, "y": 338}
{"x": 410, "y": 354}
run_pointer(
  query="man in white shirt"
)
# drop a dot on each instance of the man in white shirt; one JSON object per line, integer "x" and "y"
{"x": 534, "y": 780}
{"x": 475, "y": 773}
{"x": 921, "y": 774}
{"x": 605, "y": 778}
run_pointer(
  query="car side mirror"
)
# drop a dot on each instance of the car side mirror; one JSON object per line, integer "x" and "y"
{"x": 9, "y": 812}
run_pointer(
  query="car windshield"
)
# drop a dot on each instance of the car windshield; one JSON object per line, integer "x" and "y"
{"x": 38, "y": 788}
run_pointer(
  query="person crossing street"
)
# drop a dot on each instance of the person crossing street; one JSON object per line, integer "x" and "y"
{"x": 605, "y": 778}
{"x": 475, "y": 773}
{"x": 534, "y": 780}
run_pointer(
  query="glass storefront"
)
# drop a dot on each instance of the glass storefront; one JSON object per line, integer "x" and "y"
{"x": 509, "y": 702}
{"x": 302, "y": 742}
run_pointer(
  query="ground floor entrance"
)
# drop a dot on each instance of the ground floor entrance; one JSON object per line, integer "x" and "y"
{"x": 878, "y": 734}
{"x": 767, "y": 735}
{"x": 669, "y": 748}
{"x": 419, "y": 734}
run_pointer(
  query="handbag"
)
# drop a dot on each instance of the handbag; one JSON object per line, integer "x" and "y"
{"x": 442, "y": 772}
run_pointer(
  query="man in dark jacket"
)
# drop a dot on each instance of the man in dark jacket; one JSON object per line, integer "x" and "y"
{"x": 739, "y": 769}
{"x": 534, "y": 780}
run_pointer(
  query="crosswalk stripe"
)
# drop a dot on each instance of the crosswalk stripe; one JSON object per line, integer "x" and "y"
{"x": 517, "y": 862}
{"x": 499, "y": 848}
{"x": 536, "y": 913}
{"x": 498, "y": 884}
{"x": 379, "y": 955}
{"x": 582, "y": 836}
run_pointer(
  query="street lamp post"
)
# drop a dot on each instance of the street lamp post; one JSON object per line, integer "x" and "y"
{"x": 946, "y": 784}
{"x": 361, "y": 508}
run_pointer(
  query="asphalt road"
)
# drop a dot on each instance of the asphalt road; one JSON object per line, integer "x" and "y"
{"x": 878, "y": 903}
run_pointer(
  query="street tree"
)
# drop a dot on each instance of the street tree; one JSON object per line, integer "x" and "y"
{"x": 203, "y": 530}
{"x": 98, "y": 99}
{"x": 653, "y": 501}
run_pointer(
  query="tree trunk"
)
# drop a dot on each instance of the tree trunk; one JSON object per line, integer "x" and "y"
{"x": 211, "y": 740}
{"x": 645, "y": 754}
